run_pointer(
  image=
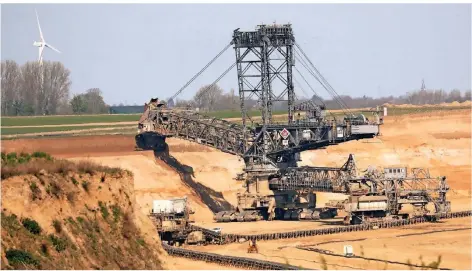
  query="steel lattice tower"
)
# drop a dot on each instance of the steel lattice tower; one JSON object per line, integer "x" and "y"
{"x": 258, "y": 68}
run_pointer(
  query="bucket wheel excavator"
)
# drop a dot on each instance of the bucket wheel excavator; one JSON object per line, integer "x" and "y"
{"x": 275, "y": 186}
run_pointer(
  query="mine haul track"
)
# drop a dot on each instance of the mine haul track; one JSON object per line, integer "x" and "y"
{"x": 232, "y": 238}
{"x": 250, "y": 263}
{"x": 241, "y": 262}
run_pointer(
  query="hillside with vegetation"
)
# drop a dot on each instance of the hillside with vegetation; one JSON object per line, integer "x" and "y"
{"x": 57, "y": 214}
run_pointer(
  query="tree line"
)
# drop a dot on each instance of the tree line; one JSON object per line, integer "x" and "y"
{"x": 213, "y": 98}
{"x": 31, "y": 89}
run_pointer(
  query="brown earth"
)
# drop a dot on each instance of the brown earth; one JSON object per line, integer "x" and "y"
{"x": 449, "y": 239}
{"x": 109, "y": 129}
{"x": 99, "y": 223}
{"x": 439, "y": 141}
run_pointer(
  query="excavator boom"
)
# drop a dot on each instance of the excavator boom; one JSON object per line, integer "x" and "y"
{"x": 274, "y": 142}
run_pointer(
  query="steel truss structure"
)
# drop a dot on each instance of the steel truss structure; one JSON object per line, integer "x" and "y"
{"x": 275, "y": 185}
{"x": 255, "y": 50}
{"x": 317, "y": 179}
{"x": 258, "y": 146}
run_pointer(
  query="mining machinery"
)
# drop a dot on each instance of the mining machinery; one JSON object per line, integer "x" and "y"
{"x": 172, "y": 218}
{"x": 377, "y": 195}
{"x": 275, "y": 186}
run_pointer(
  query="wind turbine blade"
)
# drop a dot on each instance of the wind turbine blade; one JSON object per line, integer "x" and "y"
{"x": 39, "y": 26}
{"x": 49, "y": 46}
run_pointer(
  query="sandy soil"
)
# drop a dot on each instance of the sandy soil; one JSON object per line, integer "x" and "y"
{"x": 453, "y": 245}
{"x": 453, "y": 104}
{"x": 440, "y": 141}
{"x": 156, "y": 180}
{"x": 176, "y": 263}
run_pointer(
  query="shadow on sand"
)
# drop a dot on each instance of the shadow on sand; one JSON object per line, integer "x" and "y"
{"x": 214, "y": 200}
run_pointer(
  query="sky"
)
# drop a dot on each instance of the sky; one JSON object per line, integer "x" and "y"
{"x": 133, "y": 52}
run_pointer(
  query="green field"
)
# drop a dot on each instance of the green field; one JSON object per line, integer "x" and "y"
{"x": 29, "y": 130}
{"x": 61, "y": 120}
{"x": 12, "y": 125}
{"x": 58, "y": 120}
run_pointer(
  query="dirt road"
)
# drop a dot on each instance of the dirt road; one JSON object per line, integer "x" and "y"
{"x": 449, "y": 239}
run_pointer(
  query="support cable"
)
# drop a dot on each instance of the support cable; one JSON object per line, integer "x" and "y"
{"x": 305, "y": 65}
{"x": 201, "y": 71}
{"x": 313, "y": 90}
{"x": 215, "y": 82}
{"x": 325, "y": 82}
{"x": 300, "y": 87}
{"x": 337, "y": 99}
{"x": 321, "y": 76}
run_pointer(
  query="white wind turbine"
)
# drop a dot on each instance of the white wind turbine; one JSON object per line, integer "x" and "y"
{"x": 41, "y": 44}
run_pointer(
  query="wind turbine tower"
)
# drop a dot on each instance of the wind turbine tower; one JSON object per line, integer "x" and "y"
{"x": 42, "y": 43}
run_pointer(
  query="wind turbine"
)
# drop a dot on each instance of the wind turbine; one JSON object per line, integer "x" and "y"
{"x": 41, "y": 44}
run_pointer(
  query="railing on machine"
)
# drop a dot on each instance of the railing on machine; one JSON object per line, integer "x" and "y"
{"x": 192, "y": 126}
{"x": 316, "y": 179}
